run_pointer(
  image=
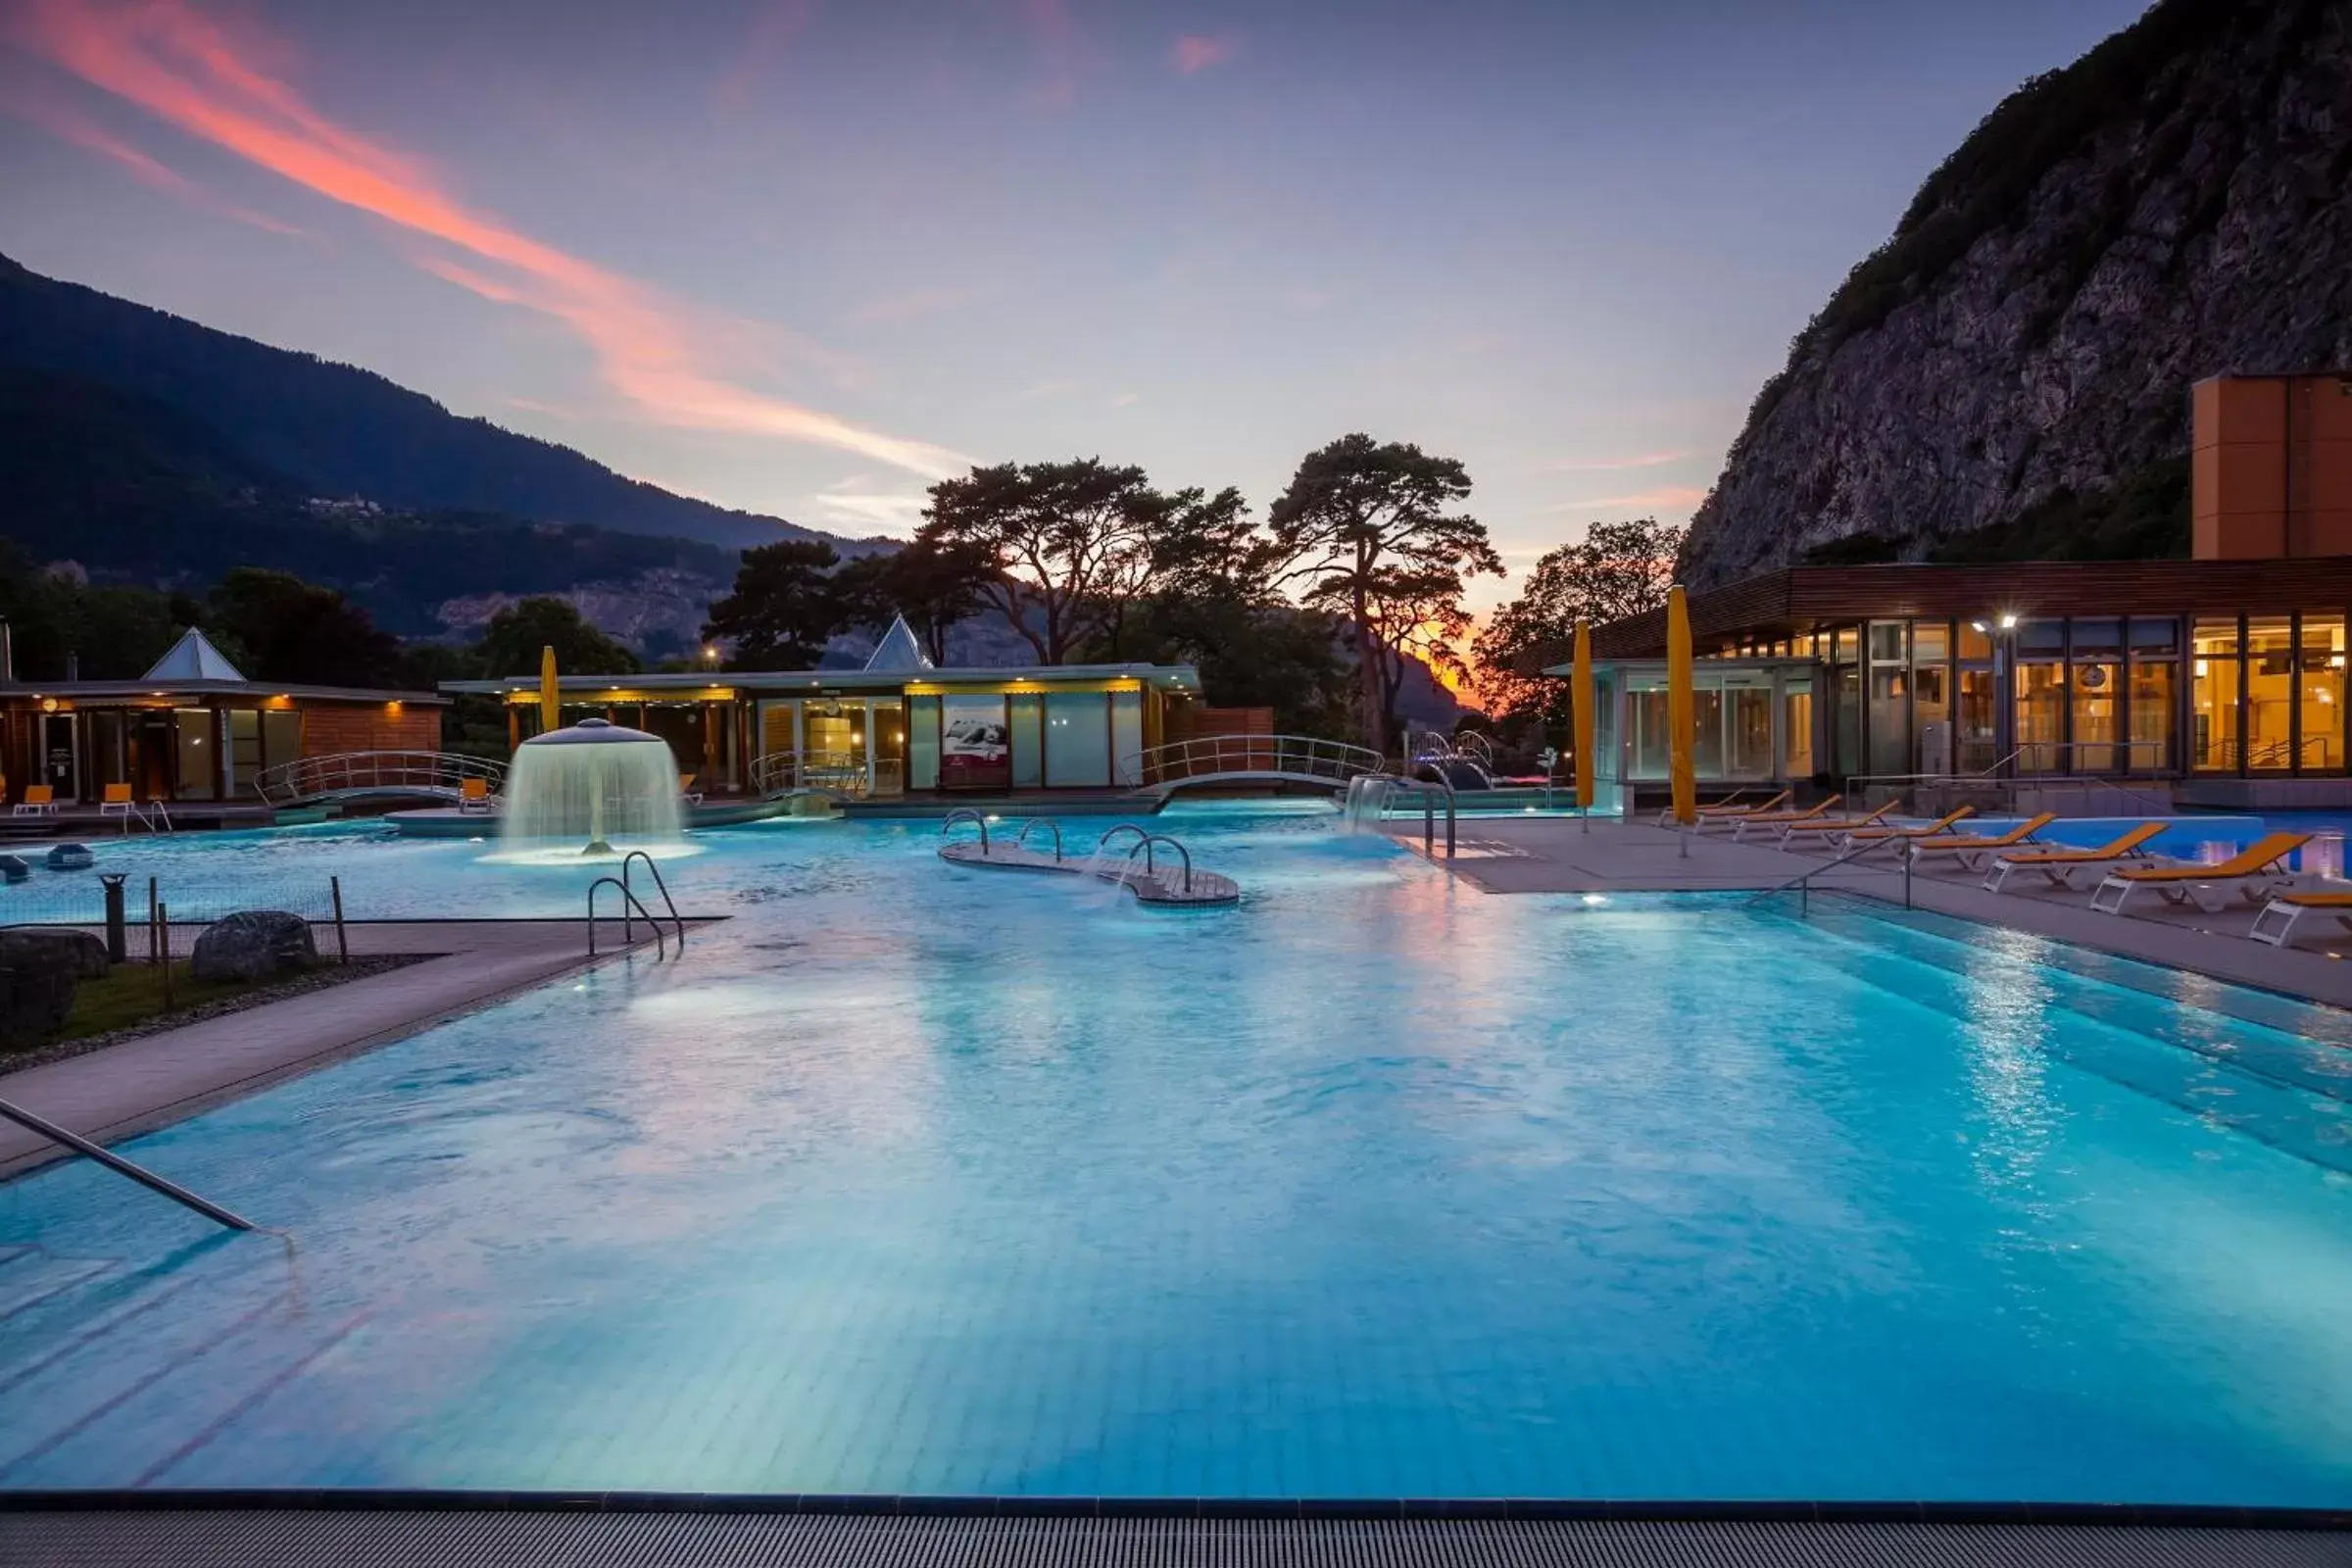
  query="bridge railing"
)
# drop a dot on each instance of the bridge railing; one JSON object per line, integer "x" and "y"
{"x": 310, "y": 778}
{"x": 841, "y": 773}
{"x": 1204, "y": 757}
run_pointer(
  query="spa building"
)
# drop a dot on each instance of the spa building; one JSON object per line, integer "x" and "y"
{"x": 2224, "y": 673}
{"x": 896, "y": 728}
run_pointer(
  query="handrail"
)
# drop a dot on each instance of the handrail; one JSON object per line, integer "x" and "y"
{"x": 628, "y": 930}
{"x": 840, "y": 773}
{"x": 1210, "y": 756}
{"x": 1049, "y": 825}
{"x": 1429, "y": 790}
{"x": 966, "y": 813}
{"x": 1144, "y": 850}
{"x": 1104, "y": 843}
{"x": 676, "y": 918}
{"x": 308, "y": 777}
{"x": 117, "y": 1164}
{"x": 1803, "y": 884}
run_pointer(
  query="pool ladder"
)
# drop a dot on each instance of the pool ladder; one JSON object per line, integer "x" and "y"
{"x": 633, "y": 908}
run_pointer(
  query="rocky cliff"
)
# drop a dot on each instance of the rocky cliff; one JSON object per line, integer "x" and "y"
{"x": 2009, "y": 373}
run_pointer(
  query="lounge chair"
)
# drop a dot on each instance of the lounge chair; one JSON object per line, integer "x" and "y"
{"x": 40, "y": 800}
{"x": 474, "y": 794}
{"x": 1972, "y": 851}
{"x": 1894, "y": 834}
{"x": 113, "y": 799}
{"x": 2060, "y": 865}
{"x": 1724, "y": 810}
{"x": 687, "y": 792}
{"x": 1742, "y": 824}
{"x": 1798, "y": 832}
{"x": 2253, "y": 873}
{"x": 2290, "y": 907}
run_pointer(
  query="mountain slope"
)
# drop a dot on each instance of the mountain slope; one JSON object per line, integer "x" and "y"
{"x": 335, "y": 430}
{"x": 2012, "y": 367}
{"x": 134, "y": 491}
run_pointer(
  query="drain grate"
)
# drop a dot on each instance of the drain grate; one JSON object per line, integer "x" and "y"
{"x": 159, "y": 1538}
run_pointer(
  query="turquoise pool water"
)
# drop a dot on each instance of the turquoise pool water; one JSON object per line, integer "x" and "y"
{"x": 912, "y": 1179}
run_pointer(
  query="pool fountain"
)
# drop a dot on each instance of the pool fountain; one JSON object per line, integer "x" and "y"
{"x": 590, "y": 781}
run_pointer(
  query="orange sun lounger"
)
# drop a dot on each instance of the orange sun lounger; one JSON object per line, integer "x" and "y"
{"x": 2060, "y": 865}
{"x": 1742, "y": 824}
{"x": 2251, "y": 873}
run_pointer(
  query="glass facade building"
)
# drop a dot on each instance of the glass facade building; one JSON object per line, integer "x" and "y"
{"x": 2083, "y": 670}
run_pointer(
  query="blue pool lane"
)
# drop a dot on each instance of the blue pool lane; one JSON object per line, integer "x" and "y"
{"x": 919, "y": 1179}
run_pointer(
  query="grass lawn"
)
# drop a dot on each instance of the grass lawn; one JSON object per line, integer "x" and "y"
{"x": 133, "y": 993}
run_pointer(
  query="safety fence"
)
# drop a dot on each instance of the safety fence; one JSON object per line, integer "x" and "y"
{"x": 165, "y": 915}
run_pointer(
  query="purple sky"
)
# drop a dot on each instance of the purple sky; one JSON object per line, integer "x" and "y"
{"x": 804, "y": 255}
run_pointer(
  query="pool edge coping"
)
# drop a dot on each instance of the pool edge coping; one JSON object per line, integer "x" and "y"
{"x": 2206, "y": 1516}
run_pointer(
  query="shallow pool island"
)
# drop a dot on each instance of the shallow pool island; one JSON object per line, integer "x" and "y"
{"x": 917, "y": 1179}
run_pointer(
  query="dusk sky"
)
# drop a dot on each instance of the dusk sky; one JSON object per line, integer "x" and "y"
{"x": 805, "y": 256}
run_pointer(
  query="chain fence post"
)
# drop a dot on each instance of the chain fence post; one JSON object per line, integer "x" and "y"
{"x": 342, "y": 941}
{"x": 117, "y": 939}
{"x": 164, "y": 920}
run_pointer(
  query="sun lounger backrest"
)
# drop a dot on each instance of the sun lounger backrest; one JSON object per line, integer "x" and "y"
{"x": 2116, "y": 849}
{"x": 2261, "y": 853}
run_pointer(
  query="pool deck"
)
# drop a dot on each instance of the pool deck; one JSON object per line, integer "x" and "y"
{"x": 1563, "y": 854}
{"x": 118, "y": 1091}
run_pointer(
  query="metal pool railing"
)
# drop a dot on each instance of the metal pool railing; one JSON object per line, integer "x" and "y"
{"x": 64, "y": 1138}
{"x": 433, "y": 773}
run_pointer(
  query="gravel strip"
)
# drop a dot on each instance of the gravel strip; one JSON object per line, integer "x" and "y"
{"x": 318, "y": 979}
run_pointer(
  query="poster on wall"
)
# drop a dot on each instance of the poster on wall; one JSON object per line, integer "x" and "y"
{"x": 974, "y": 749}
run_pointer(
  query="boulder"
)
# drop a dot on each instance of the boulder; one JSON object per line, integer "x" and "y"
{"x": 71, "y": 857}
{"x": 15, "y": 867}
{"x": 254, "y": 945}
{"x": 77, "y": 950}
{"x": 36, "y": 992}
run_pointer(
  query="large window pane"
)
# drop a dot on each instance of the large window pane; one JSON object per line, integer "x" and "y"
{"x": 2213, "y": 713}
{"x": 281, "y": 737}
{"x": 923, "y": 743}
{"x": 1750, "y": 722}
{"x": 1932, "y": 716}
{"x": 1890, "y": 720}
{"x": 2321, "y": 693}
{"x": 1604, "y": 728}
{"x": 2040, "y": 719}
{"x": 2270, "y": 693}
{"x": 1931, "y": 642}
{"x": 199, "y": 767}
{"x": 1649, "y": 713}
{"x": 1887, "y": 642}
{"x": 1797, "y": 729}
{"x": 244, "y": 751}
{"x": 1845, "y": 741}
{"x": 1077, "y": 740}
{"x": 2159, "y": 635}
{"x": 1976, "y": 736}
{"x": 2096, "y": 718}
{"x": 1127, "y": 736}
{"x": 1028, "y": 722}
{"x": 1706, "y": 739}
{"x": 2154, "y": 694}
{"x": 1976, "y": 640}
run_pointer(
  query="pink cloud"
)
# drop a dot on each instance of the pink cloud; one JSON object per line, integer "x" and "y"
{"x": 183, "y": 70}
{"x": 1646, "y": 460}
{"x": 1195, "y": 52}
{"x": 1666, "y": 497}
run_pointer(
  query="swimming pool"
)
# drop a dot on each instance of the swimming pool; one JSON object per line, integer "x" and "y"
{"x": 911, "y": 1179}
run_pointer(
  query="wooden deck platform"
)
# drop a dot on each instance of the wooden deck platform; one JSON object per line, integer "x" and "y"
{"x": 1164, "y": 884}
